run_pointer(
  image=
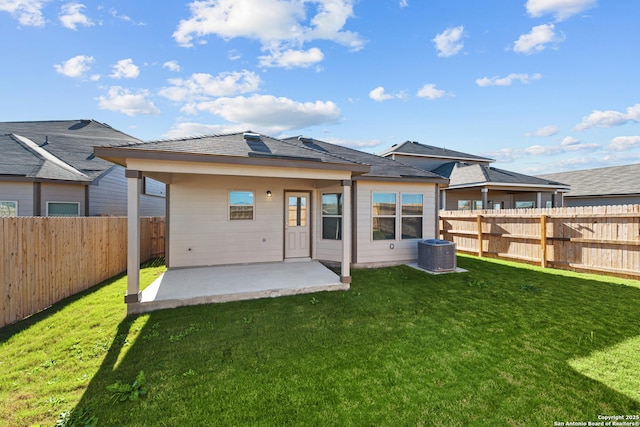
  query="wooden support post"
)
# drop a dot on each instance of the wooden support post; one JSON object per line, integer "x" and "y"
{"x": 543, "y": 241}
{"x": 479, "y": 223}
{"x": 345, "y": 268}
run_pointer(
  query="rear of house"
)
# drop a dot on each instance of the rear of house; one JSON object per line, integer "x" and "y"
{"x": 249, "y": 198}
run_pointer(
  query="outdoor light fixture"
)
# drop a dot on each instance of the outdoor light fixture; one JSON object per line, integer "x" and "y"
{"x": 269, "y": 193}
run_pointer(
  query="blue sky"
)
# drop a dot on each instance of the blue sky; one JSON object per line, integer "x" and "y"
{"x": 538, "y": 85}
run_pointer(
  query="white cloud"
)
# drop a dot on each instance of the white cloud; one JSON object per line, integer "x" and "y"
{"x": 266, "y": 111}
{"x": 124, "y": 18}
{"x": 568, "y": 144}
{"x": 234, "y": 55}
{"x": 430, "y": 91}
{"x": 537, "y": 40}
{"x": 378, "y": 94}
{"x": 508, "y": 80}
{"x": 71, "y": 16}
{"x": 27, "y": 12}
{"x": 125, "y": 69}
{"x": 609, "y": 118}
{"x": 448, "y": 42}
{"x": 280, "y": 25}
{"x": 560, "y": 9}
{"x": 292, "y": 58}
{"x": 75, "y": 67}
{"x": 127, "y": 102}
{"x": 404, "y": 3}
{"x": 549, "y": 130}
{"x": 172, "y": 66}
{"x": 202, "y": 86}
{"x": 622, "y": 143}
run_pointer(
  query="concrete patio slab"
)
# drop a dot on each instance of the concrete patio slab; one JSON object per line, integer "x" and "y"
{"x": 206, "y": 285}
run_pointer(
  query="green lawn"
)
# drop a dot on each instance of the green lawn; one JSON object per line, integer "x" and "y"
{"x": 504, "y": 344}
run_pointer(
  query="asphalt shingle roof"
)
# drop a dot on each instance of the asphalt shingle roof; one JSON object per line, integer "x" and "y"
{"x": 236, "y": 145}
{"x": 608, "y": 181}
{"x": 412, "y": 147}
{"x": 70, "y": 141}
{"x": 462, "y": 174}
{"x": 380, "y": 166}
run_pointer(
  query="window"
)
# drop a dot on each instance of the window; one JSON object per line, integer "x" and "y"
{"x": 63, "y": 209}
{"x": 412, "y": 207}
{"x": 464, "y": 205}
{"x": 241, "y": 205}
{"x": 297, "y": 211}
{"x": 152, "y": 187}
{"x": 332, "y": 216}
{"x": 384, "y": 216}
{"x": 8, "y": 208}
{"x": 524, "y": 205}
{"x": 477, "y": 205}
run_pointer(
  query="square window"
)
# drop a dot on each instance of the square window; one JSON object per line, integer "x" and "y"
{"x": 241, "y": 205}
{"x": 8, "y": 208}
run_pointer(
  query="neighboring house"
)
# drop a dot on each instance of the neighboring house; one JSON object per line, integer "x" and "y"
{"x": 474, "y": 184}
{"x": 614, "y": 185}
{"x": 249, "y": 198}
{"x": 48, "y": 168}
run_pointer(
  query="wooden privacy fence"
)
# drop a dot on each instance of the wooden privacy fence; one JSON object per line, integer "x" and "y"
{"x": 602, "y": 239}
{"x": 46, "y": 259}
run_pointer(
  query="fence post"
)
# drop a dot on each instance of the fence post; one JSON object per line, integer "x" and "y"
{"x": 543, "y": 241}
{"x": 479, "y": 220}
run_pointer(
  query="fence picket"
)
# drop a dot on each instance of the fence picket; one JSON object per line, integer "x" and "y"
{"x": 602, "y": 239}
{"x": 45, "y": 259}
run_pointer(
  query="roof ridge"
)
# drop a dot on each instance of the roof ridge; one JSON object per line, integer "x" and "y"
{"x": 46, "y": 155}
{"x": 325, "y": 153}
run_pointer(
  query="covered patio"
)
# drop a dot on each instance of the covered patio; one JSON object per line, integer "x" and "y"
{"x": 205, "y": 285}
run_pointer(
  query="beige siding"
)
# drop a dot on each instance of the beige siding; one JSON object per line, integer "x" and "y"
{"x": 201, "y": 232}
{"x": 108, "y": 196}
{"x": 22, "y": 192}
{"x": 390, "y": 251}
{"x": 54, "y": 192}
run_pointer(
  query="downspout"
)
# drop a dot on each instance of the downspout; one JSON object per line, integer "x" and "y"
{"x": 437, "y": 198}
{"x": 86, "y": 200}
{"x": 37, "y": 199}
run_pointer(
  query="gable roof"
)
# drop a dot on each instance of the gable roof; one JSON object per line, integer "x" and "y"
{"x": 413, "y": 148}
{"x": 21, "y": 157}
{"x": 381, "y": 167}
{"x": 61, "y": 150}
{"x": 246, "y": 148}
{"x": 607, "y": 181}
{"x": 469, "y": 175}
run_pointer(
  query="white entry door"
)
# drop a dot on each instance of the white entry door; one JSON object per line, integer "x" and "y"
{"x": 297, "y": 236}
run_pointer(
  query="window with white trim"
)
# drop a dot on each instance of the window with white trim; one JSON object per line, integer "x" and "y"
{"x": 241, "y": 205}
{"x": 412, "y": 213}
{"x": 384, "y": 216}
{"x": 8, "y": 208}
{"x": 63, "y": 209}
{"x": 332, "y": 216}
{"x": 464, "y": 205}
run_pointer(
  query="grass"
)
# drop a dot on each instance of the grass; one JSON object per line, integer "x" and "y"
{"x": 504, "y": 344}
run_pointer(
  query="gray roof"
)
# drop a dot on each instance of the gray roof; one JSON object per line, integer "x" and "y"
{"x": 59, "y": 150}
{"x": 380, "y": 166}
{"x": 416, "y": 148}
{"x": 608, "y": 181}
{"x": 254, "y": 149}
{"x": 463, "y": 174}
